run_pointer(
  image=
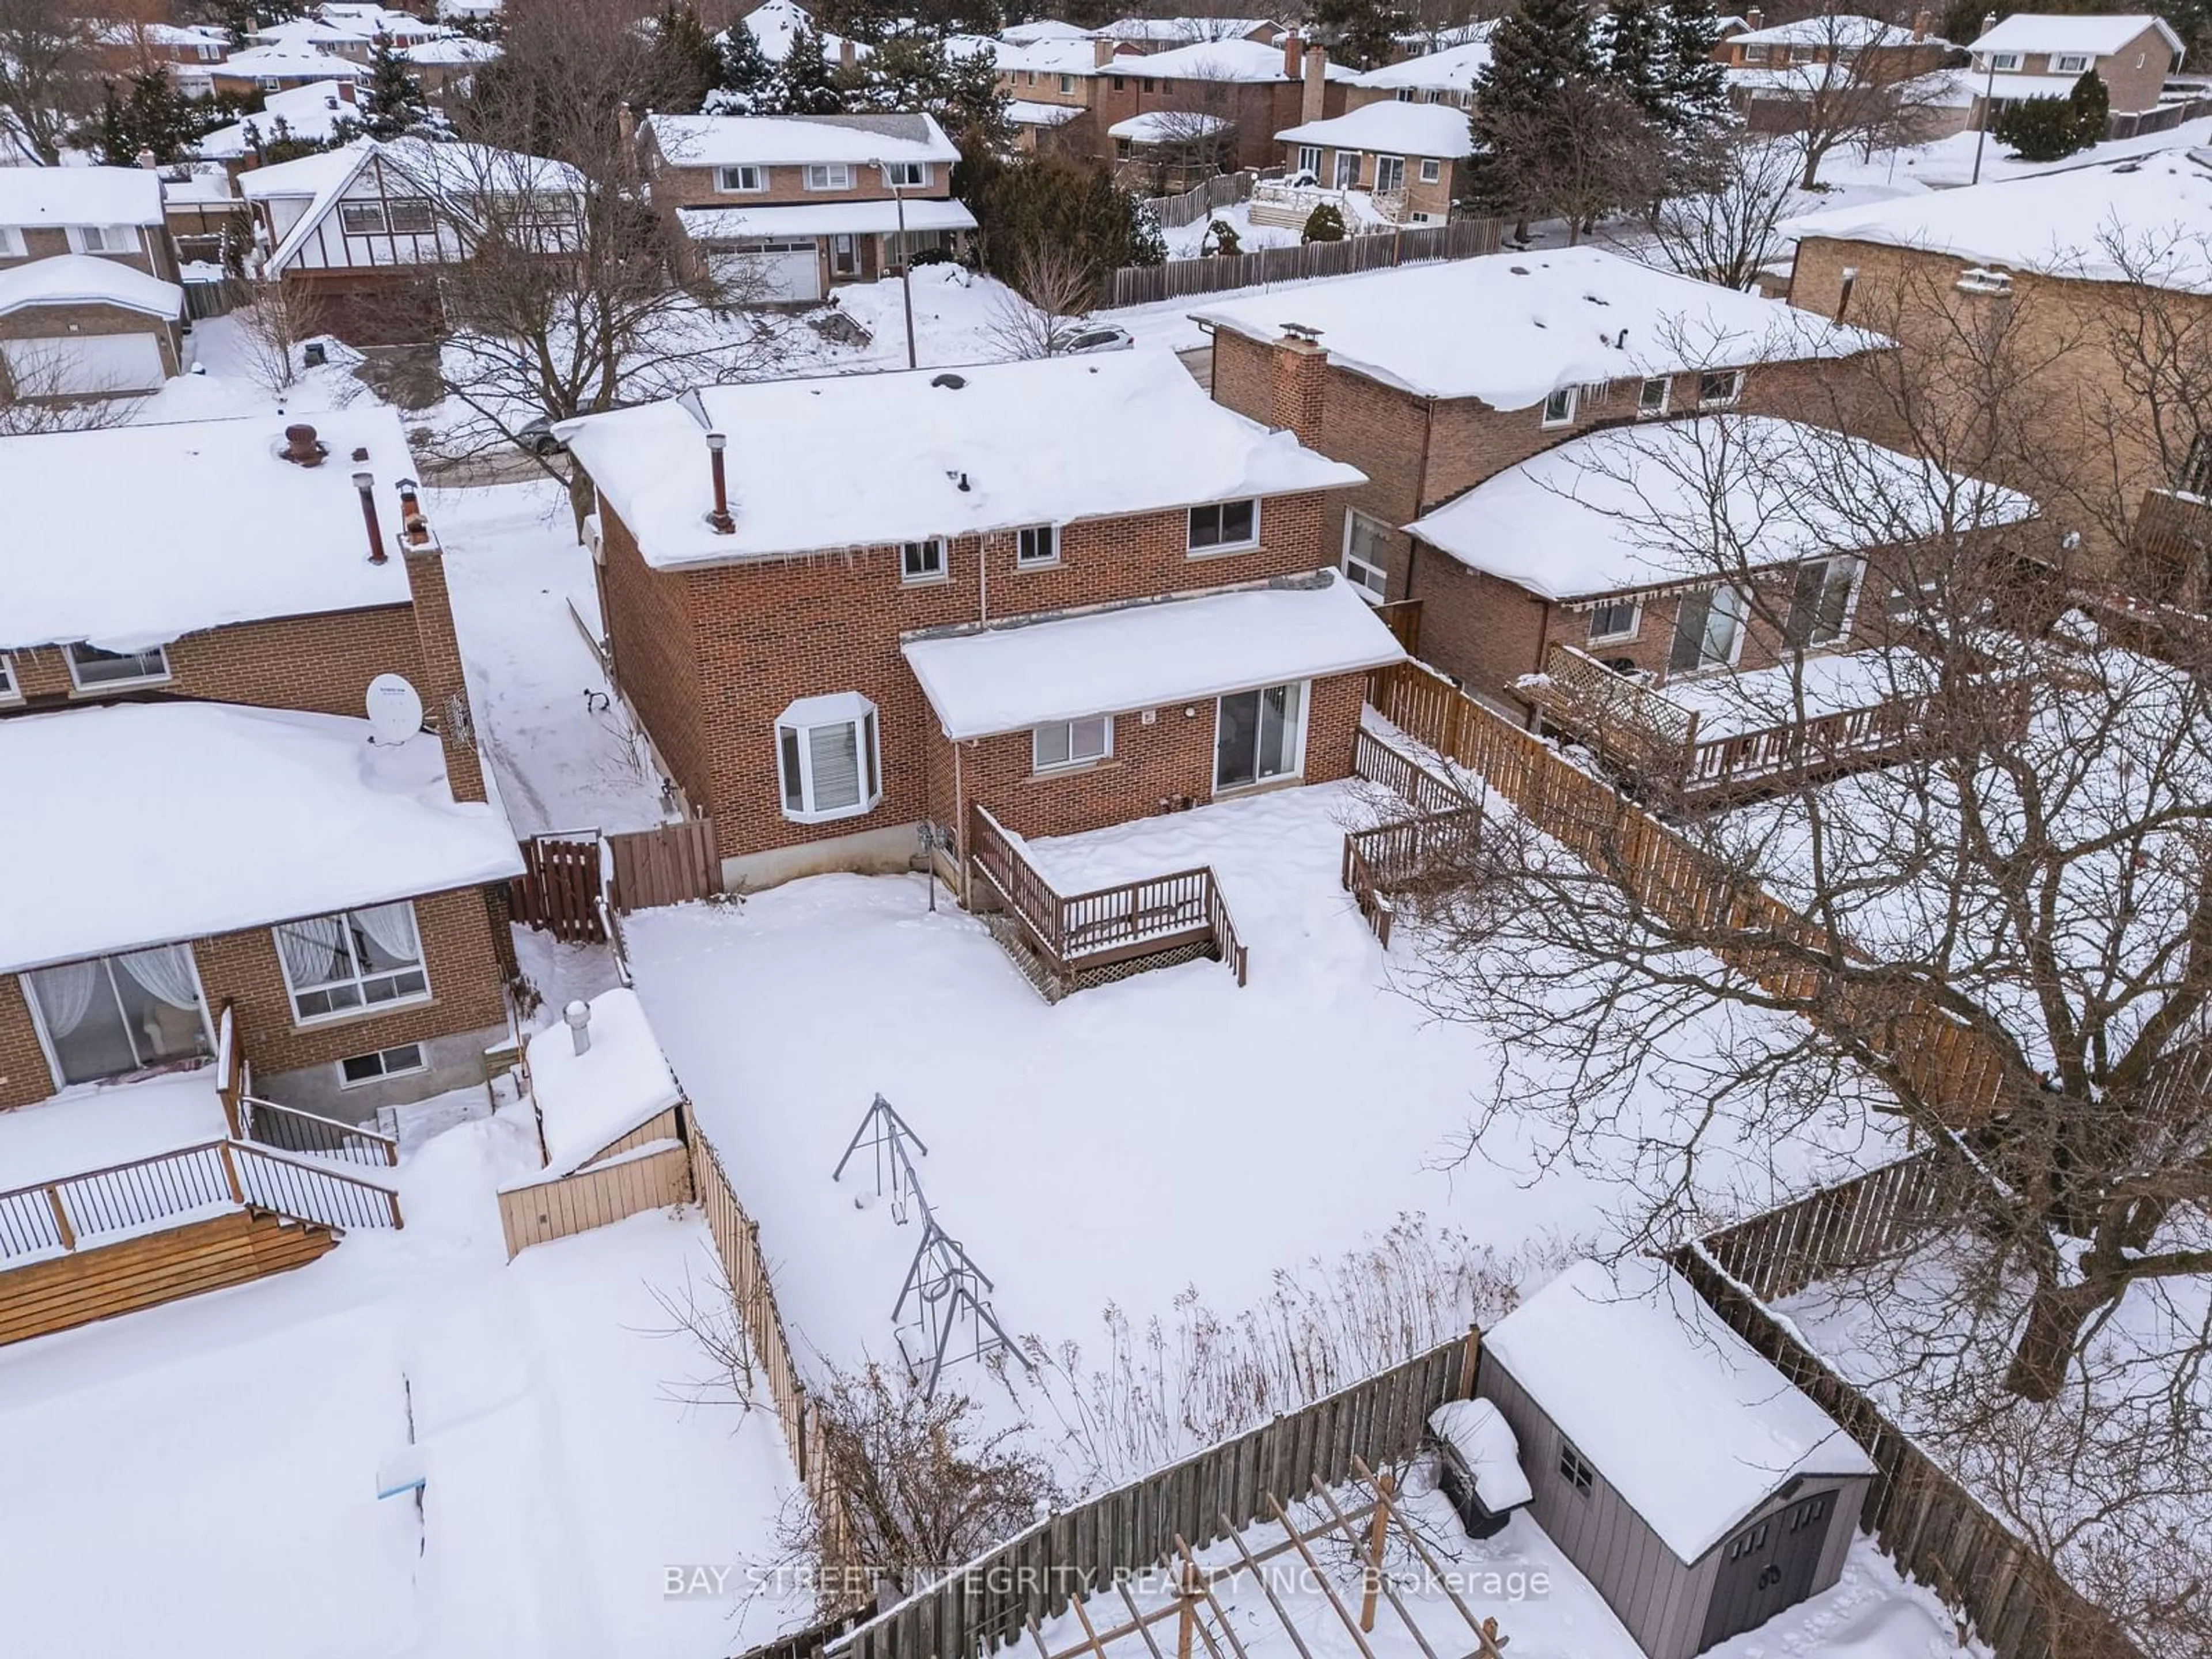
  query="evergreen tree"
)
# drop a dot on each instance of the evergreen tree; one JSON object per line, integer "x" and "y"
{"x": 1630, "y": 46}
{"x": 2038, "y": 129}
{"x": 747, "y": 76}
{"x": 1696, "y": 87}
{"x": 804, "y": 83}
{"x": 687, "y": 65}
{"x": 391, "y": 101}
{"x": 1056, "y": 201}
{"x": 1361, "y": 33}
{"x": 147, "y": 113}
{"x": 2091, "y": 100}
{"x": 1533, "y": 54}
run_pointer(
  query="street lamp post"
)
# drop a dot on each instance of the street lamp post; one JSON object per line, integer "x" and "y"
{"x": 906, "y": 271}
{"x": 1988, "y": 98}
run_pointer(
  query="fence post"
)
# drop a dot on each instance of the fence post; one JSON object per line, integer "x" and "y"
{"x": 230, "y": 1172}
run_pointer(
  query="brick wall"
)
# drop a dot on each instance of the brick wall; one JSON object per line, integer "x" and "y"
{"x": 2134, "y": 75}
{"x": 1154, "y": 768}
{"x": 1432, "y": 198}
{"x": 152, "y": 258}
{"x": 1259, "y": 109}
{"x": 459, "y": 953}
{"x": 656, "y": 654}
{"x": 675, "y": 185}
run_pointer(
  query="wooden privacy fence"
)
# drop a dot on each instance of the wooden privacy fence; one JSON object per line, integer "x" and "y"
{"x": 1946, "y": 1061}
{"x": 647, "y": 1168}
{"x": 1171, "y": 212}
{"x": 1932, "y": 1527}
{"x": 566, "y": 878}
{"x": 987, "y": 1603}
{"x": 560, "y": 888}
{"x": 670, "y": 864}
{"x": 1461, "y": 238}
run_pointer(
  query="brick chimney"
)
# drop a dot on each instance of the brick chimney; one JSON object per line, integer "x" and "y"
{"x": 1921, "y": 24}
{"x": 1297, "y": 385}
{"x": 1754, "y": 20}
{"x": 847, "y": 55}
{"x": 444, "y": 686}
{"x": 1313, "y": 92}
{"x": 1101, "y": 53}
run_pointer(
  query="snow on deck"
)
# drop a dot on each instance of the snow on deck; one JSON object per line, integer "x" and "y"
{"x": 98, "y": 1125}
{"x": 1729, "y": 705}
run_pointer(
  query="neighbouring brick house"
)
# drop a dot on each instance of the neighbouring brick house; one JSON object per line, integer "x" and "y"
{"x": 1253, "y": 90}
{"x": 1435, "y": 77}
{"x": 2042, "y": 55}
{"x": 89, "y": 305}
{"x": 278, "y": 67}
{"x": 1073, "y": 592}
{"x": 1406, "y": 158}
{"x": 1570, "y": 341}
{"x": 364, "y": 229}
{"x": 1882, "y": 51}
{"x": 1052, "y": 87}
{"x": 806, "y": 201}
{"x": 206, "y": 648}
{"x": 2090, "y": 285}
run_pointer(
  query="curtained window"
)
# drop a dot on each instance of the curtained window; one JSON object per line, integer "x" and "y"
{"x": 115, "y": 1015}
{"x": 353, "y": 960}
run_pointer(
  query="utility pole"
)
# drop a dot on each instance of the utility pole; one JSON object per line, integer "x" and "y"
{"x": 906, "y": 269}
{"x": 1988, "y": 97}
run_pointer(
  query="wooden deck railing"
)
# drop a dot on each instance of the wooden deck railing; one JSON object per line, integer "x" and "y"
{"x": 1146, "y": 917}
{"x": 289, "y": 1130}
{"x": 74, "y": 1211}
{"x": 1816, "y": 745}
{"x": 1579, "y": 691}
{"x": 1446, "y": 825}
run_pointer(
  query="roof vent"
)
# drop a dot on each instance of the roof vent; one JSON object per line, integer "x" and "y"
{"x": 949, "y": 382}
{"x": 301, "y": 447}
{"x": 1518, "y": 271}
{"x": 1596, "y": 299}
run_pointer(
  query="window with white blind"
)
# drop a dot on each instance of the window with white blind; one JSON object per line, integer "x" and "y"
{"x": 352, "y": 960}
{"x": 106, "y": 238}
{"x": 1070, "y": 743}
{"x": 93, "y": 668}
{"x": 1364, "y": 539}
{"x": 827, "y": 762}
{"x": 829, "y": 175}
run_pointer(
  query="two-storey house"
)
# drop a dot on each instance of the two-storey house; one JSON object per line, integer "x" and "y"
{"x": 2042, "y": 55}
{"x": 1236, "y": 94}
{"x": 364, "y": 229}
{"x": 806, "y": 201}
{"x": 1445, "y": 76}
{"x": 1883, "y": 51}
{"x": 231, "y": 592}
{"x": 89, "y": 305}
{"x": 1052, "y": 87}
{"x": 1070, "y": 592}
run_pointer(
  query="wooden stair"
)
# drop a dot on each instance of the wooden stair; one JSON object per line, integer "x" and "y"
{"x": 100, "y": 1282}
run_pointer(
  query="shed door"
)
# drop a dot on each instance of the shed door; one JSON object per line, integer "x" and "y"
{"x": 1768, "y": 1566}
{"x": 85, "y": 364}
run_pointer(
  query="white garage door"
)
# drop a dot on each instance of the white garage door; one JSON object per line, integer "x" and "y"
{"x": 788, "y": 271}
{"x": 79, "y": 364}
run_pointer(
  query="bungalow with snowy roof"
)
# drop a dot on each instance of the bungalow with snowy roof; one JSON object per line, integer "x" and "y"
{"x": 272, "y": 69}
{"x": 1059, "y": 595}
{"x": 2093, "y": 285}
{"x": 185, "y": 52}
{"x": 364, "y": 229}
{"x": 89, "y": 305}
{"x": 1696, "y": 1489}
{"x": 802, "y": 202}
{"x": 322, "y": 111}
{"x": 1253, "y": 90}
{"x": 1404, "y": 161}
{"x": 1567, "y": 341}
{"x": 1704, "y": 602}
{"x": 2043, "y": 54}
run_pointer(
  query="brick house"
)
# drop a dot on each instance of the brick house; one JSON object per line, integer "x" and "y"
{"x": 89, "y": 306}
{"x": 806, "y": 201}
{"x": 209, "y": 645}
{"x": 1882, "y": 51}
{"x": 2042, "y": 55}
{"x": 1780, "y": 79}
{"x": 806, "y": 656}
{"x": 1052, "y": 88}
{"x": 2068, "y": 273}
{"x": 365, "y": 228}
{"x": 186, "y": 52}
{"x": 1405, "y": 158}
{"x": 1254, "y": 90}
{"x": 278, "y": 68}
{"x": 1570, "y": 341}
{"x": 1434, "y": 77}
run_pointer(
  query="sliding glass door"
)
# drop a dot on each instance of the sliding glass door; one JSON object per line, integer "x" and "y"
{"x": 117, "y": 1014}
{"x": 1258, "y": 735}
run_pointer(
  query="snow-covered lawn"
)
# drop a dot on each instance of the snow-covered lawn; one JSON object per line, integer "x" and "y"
{"x": 1167, "y": 1131}
{"x": 200, "y": 1479}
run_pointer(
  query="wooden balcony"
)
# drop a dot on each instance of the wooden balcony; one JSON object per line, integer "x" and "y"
{"x": 1677, "y": 747}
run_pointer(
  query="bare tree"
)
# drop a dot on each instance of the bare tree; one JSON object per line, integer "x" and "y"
{"x": 1856, "y": 91}
{"x": 1193, "y": 139}
{"x": 1041, "y": 314}
{"x": 1724, "y": 230}
{"x": 49, "y": 75}
{"x": 47, "y": 389}
{"x": 1589, "y": 152}
{"x": 272, "y": 326}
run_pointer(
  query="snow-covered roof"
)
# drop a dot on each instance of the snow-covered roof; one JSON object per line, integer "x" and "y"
{"x": 290, "y": 62}
{"x": 1167, "y": 126}
{"x": 1188, "y": 27}
{"x": 37, "y": 197}
{"x": 2098, "y": 36}
{"x": 589, "y": 1100}
{"x": 1044, "y": 28}
{"x": 1052, "y": 57}
{"x": 457, "y": 49}
{"x": 1392, "y": 128}
{"x": 314, "y": 111}
{"x": 201, "y": 184}
{"x": 1847, "y": 29}
{"x": 453, "y": 172}
{"x": 1047, "y": 442}
{"x": 1017, "y": 674}
{"x": 713, "y": 141}
{"x": 1567, "y": 317}
{"x": 172, "y": 528}
{"x": 245, "y": 817}
{"x": 822, "y": 219}
{"x": 1452, "y": 70}
{"x": 312, "y": 33}
{"x": 1222, "y": 60}
{"x": 87, "y": 279}
{"x": 1023, "y": 113}
{"x": 1479, "y": 1433}
{"x": 1626, "y": 507}
{"x": 162, "y": 34}
{"x": 1676, "y": 1413}
{"x": 2145, "y": 219}
{"x": 775, "y": 23}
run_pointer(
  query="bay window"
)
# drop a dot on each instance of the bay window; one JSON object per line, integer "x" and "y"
{"x": 1070, "y": 743}
{"x": 827, "y": 762}
{"x": 352, "y": 960}
{"x": 121, "y": 1013}
{"x": 1258, "y": 735}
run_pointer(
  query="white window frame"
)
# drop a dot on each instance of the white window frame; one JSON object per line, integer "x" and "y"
{"x": 932, "y": 553}
{"x": 2004, "y": 63}
{"x": 1850, "y": 614}
{"x": 829, "y": 175}
{"x": 1296, "y": 767}
{"x": 1025, "y": 542}
{"x": 29, "y": 993}
{"x": 94, "y": 238}
{"x": 1067, "y": 84}
{"x": 1309, "y": 159}
{"x": 2070, "y": 62}
{"x": 1433, "y": 170}
{"x": 360, "y": 979}
{"x": 1197, "y": 550}
{"x": 1357, "y": 567}
{"x": 384, "y": 1071}
{"x": 1399, "y": 162}
{"x": 1734, "y": 379}
{"x": 120, "y": 682}
{"x": 1572, "y": 397}
{"x": 810, "y": 714}
{"x": 1617, "y": 636}
{"x": 1754, "y": 53}
{"x": 740, "y": 171}
{"x": 272, "y": 83}
{"x": 1066, "y": 731}
{"x": 12, "y": 243}
{"x": 11, "y": 689}
{"x": 1646, "y": 409}
{"x": 906, "y": 175}
{"x": 1742, "y": 619}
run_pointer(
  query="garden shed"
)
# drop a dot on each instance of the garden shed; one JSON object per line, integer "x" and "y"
{"x": 1696, "y": 1488}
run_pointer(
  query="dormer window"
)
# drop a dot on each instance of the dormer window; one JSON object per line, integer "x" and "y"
{"x": 739, "y": 180}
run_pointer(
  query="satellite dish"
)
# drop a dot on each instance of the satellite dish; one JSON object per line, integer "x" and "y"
{"x": 395, "y": 711}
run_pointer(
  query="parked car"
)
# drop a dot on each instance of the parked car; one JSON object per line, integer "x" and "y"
{"x": 537, "y": 436}
{"x": 1103, "y": 336}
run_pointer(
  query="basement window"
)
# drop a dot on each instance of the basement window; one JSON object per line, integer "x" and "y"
{"x": 396, "y": 1062}
{"x": 1559, "y": 407}
{"x": 91, "y": 669}
{"x": 826, "y": 758}
{"x": 1574, "y": 1468}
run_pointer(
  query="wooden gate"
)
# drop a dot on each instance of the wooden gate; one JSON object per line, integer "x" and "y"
{"x": 665, "y": 865}
{"x": 560, "y": 888}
